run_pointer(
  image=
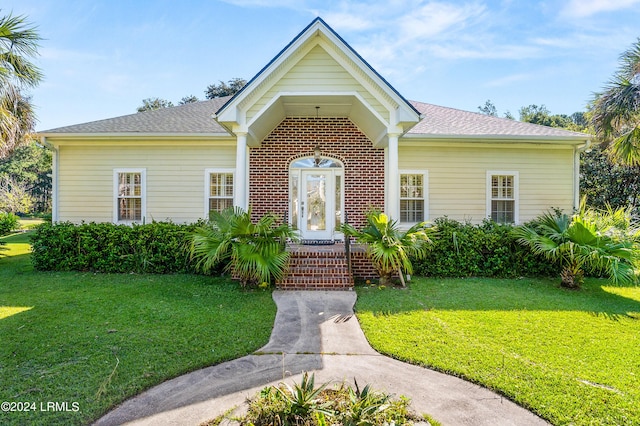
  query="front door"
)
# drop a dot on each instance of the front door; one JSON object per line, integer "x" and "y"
{"x": 317, "y": 202}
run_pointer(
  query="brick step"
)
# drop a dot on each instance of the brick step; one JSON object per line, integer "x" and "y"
{"x": 317, "y": 270}
{"x": 308, "y": 271}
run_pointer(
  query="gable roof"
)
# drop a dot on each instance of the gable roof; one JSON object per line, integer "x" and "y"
{"x": 291, "y": 82}
{"x": 320, "y": 23}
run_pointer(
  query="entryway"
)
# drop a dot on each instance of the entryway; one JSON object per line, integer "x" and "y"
{"x": 316, "y": 198}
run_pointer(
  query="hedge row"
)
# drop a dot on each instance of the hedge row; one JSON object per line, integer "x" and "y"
{"x": 488, "y": 250}
{"x": 459, "y": 250}
{"x": 158, "y": 247}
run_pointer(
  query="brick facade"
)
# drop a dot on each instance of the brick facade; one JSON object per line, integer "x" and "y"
{"x": 338, "y": 138}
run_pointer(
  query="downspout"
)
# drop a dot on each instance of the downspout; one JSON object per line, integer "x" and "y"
{"x": 54, "y": 178}
{"x": 577, "y": 150}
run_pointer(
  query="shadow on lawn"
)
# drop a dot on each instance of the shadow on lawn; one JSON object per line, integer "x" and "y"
{"x": 480, "y": 294}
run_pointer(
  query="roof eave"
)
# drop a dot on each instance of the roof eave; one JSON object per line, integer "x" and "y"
{"x": 131, "y": 135}
{"x": 503, "y": 138}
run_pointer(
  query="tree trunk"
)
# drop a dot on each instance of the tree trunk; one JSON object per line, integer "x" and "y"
{"x": 572, "y": 277}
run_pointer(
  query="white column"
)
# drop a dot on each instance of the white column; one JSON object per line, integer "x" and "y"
{"x": 392, "y": 202}
{"x": 241, "y": 184}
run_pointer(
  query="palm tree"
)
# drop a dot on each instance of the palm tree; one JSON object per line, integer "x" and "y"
{"x": 602, "y": 241}
{"x": 616, "y": 111}
{"x": 18, "y": 43}
{"x": 254, "y": 252}
{"x": 389, "y": 248}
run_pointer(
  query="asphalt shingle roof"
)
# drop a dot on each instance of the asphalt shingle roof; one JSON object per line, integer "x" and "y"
{"x": 441, "y": 121}
{"x": 196, "y": 118}
{"x": 192, "y": 118}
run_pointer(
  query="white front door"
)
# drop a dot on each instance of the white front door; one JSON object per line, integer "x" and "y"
{"x": 317, "y": 204}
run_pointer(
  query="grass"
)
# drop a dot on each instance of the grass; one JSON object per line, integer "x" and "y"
{"x": 570, "y": 356}
{"x": 98, "y": 339}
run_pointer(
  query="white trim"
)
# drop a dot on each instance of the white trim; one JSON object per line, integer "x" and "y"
{"x": 392, "y": 203}
{"x": 516, "y": 192}
{"x": 207, "y": 185}
{"x": 241, "y": 178}
{"x": 143, "y": 193}
{"x": 425, "y": 193}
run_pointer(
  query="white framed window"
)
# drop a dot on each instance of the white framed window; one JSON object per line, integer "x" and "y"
{"x": 218, "y": 187}
{"x": 413, "y": 196}
{"x": 502, "y": 196}
{"x": 129, "y": 195}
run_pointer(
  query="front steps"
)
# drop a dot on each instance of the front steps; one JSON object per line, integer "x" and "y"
{"x": 317, "y": 268}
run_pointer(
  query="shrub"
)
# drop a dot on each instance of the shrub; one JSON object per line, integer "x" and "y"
{"x": 305, "y": 405}
{"x": 158, "y": 247}
{"x": 488, "y": 249}
{"x": 8, "y": 222}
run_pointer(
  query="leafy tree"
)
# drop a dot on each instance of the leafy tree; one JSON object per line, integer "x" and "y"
{"x": 603, "y": 241}
{"x": 151, "y": 104}
{"x": 14, "y": 196}
{"x": 488, "y": 109}
{"x": 604, "y": 182}
{"x": 223, "y": 89}
{"x": 188, "y": 100}
{"x": 389, "y": 248}
{"x": 616, "y": 111}
{"x": 30, "y": 166}
{"x": 541, "y": 115}
{"x": 18, "y": 44}
{"x": 255, "y": 252}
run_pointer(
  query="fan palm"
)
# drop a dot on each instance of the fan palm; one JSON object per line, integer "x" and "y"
{"x": 255, "y": 252}
{"x": 616, "y": 111}
{"x": 18, "y": 43}
{"x": 389, "y": 248}
{"x": 603, "y": 241}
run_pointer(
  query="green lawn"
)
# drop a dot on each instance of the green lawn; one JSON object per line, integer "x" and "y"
{"x": 97, "y": 339}
{"x": 573, "y": 357}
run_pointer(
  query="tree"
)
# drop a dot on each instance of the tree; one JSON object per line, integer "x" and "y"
{"x": 541, "y": 115}
{"x": 188, "y": 100}
{"x": 14, "y": 196}
{"x": 600, "y": 240}
{"x": 223, "y": 89}
{"x": 151, "y": 104}
{"x": 254, "y": 252}
{"x": 488, "y": 109}
{"x": 30, "y": 165}
{"x": 616, "y": 111}
{"x": 389, "y": 248}
{"x": 18, "y": 44}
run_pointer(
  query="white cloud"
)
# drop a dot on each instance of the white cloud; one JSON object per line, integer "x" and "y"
{"x": 586, "y": 8}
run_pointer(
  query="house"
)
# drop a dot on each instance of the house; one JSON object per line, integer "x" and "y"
{"x": 315, "y": 136}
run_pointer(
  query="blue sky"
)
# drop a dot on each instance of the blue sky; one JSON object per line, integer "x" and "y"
{"x": 102, "y": 57}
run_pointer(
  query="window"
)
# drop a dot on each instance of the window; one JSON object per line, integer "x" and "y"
{"x": 129, "y": 195}
{"x": 219, "y": 190}
{"x": 502, "y": 197}
{"x": 412, "y": 197}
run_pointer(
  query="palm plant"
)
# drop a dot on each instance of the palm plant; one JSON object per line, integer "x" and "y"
{"x": 616, "y": 111}
{"x": 602, "y": 241}
{"x": 18, "y": 42}
{"x": 255, "y": 252}
{"x": 389, "y": 248}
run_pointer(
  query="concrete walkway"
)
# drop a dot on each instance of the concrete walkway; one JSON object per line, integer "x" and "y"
{"x": 316, "y": 331}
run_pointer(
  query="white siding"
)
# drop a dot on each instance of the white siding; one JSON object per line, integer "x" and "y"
{"x": 174, "y": 176}
{"x": 457, "y": 177}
